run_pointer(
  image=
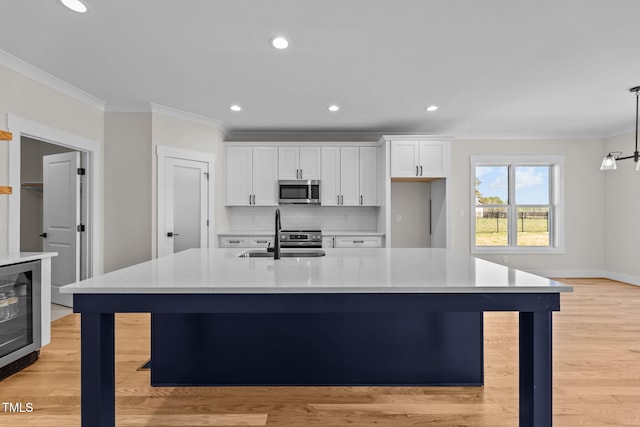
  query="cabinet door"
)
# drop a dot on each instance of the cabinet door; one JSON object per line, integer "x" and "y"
{"x": 359, "y": 242}
{"x": 239, "y": 176}
{"x": 327, "y": 242}
{"x": 350, "y": 176}
{"x": 432, "y": 159}
{"x": 310, "y": 162}
{"x": 368, "y": 176}
{"x": 330, "y": 182}
{"x": 404, "y": 159}
{"x": 260, "y": 242}
{"x": 288, "y": 167}
{"x": 234, "y": 242}
{"x": 265, "y": 176}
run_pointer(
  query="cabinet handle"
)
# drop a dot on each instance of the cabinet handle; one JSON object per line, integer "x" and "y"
{"x": 300, "y": 173}
{"x": 262, "y": 241}
{"x": 361, "y": 200}
{"x": 420, "y": 170}
{"x": 254, "y": 199}
{"x": 297, "y": 173}
{"x": 43, "y": 235}
{"x": 234, "y": 241}
{"x": 416, "y": 170}
{"x": 170, "y": 234}
{"x": 249, "y": 198}
{"x": 338, "y": 201}
{"x": 358, "y": 241}
{"x": 342, "y": 200}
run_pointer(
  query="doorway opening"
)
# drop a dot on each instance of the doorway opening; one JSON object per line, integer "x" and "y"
{"x": 81, "y": 198}
{"x": 53, "y": 204}
{"x": 185, "y": 200}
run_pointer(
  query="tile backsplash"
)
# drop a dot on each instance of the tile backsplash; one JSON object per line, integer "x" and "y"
{"x": 293, "y": 217}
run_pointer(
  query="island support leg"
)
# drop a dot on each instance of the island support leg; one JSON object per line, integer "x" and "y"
{"x": 97, "y": 370}
{"x": 535, "y": 369}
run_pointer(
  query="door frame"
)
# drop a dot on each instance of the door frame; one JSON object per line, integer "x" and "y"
{"x": 91, "y": 151}
{"x": 164, "y": 152}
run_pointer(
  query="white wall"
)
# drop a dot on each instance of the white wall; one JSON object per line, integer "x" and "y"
{"x": 622, "y": 213}
{"x": 584, "y": 199}
{"x": 127, "y": 195}
{"x": 410, "y": 201}
{"x": 29, "y": 99}
{"x": 189, "y": 133}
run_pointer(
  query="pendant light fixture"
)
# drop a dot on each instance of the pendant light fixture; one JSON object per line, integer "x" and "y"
{"x": 609, "y": 161}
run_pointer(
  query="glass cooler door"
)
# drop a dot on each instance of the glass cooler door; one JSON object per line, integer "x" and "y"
{"x": 19, "y": 310}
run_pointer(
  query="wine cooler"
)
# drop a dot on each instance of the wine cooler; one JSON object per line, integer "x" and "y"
{"x": 19, "y": 316}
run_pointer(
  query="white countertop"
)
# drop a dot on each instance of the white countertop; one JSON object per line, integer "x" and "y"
{"x": 18, "y": 257}
{"x": 340, "y": 271}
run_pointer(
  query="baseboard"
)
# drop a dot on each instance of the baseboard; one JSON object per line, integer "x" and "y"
{"x": 569, "y": 273}
{"x": 626, "y": 278}
{"x": 59, "y": 298}
{"x": 577, "y": 274}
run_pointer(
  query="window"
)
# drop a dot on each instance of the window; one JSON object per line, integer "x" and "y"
{"x": 516, "y": 204}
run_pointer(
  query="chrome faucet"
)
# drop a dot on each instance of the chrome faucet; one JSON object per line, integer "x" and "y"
{"x": 276, "y": 238}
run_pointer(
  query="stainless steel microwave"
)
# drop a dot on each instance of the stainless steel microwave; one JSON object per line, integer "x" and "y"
{"x": 299, "y": 191}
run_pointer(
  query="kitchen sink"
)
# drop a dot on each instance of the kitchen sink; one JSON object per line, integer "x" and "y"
{"x": 262, "y": 253}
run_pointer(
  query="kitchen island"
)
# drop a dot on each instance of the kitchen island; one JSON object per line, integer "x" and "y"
{"x": 367, "y": 285}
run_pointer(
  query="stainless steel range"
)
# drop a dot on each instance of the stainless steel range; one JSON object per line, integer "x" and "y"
{"x": 300, "y": 239}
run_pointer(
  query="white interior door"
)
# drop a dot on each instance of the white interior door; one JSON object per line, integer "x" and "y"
{"x": 186, "y": 205}
{"x": 61, "y": 219}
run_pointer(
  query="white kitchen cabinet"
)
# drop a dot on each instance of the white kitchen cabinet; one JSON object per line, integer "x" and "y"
{"x": 252, "y": 176}
{"x": 368, "y": 176}
{"x": 299, "y": 163}
{"x": 419, "y": 159}
{"x": 246, "y": 241}
{"x": 234, "y": 242}
{"x": 328, "y": 242}
{"x": 349, "y": 176}
{"x": 358, "y": 242}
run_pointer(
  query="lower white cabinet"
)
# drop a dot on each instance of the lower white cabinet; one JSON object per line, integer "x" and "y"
{"x": 246, "y": 241}
{"x": 352, "y": 242}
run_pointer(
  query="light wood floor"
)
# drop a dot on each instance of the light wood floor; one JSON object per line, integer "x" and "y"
{"x": 596, "y": 379}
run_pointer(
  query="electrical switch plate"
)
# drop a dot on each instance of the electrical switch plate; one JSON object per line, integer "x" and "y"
{"x": 399, "y": 218}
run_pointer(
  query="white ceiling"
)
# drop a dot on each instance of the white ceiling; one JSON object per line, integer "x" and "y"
{"x": 496, "y": 68}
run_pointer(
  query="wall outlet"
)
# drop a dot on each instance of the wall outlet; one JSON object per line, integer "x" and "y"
{"x": 399, "y": 218}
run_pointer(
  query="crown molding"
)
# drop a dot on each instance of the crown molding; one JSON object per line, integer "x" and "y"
{"x": 24, "y": 68}
{"x": 190, "y": 117}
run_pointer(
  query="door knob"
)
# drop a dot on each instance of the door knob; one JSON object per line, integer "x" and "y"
{"x": 170, "y": 234}
{"x": 43, "y": 235}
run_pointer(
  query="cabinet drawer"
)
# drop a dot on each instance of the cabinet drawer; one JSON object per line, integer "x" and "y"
{"x": 260, "y": 242}
{"x": 358, "y": 242}
{"x": 234, "y": 242}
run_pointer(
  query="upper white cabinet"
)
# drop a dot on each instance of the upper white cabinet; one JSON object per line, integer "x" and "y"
{"x": 252, "y": 176}
{"x": 299, "y": 163}
{"x": 419, "y": 159}
{"x": 349, "y": 176}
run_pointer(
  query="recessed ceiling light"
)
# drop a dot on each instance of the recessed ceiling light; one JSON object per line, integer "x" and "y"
{"x": 431, "y": 108}
{"x": 75, "y": 5}
{"x": 279, "y": 42}
{"x": 235, "y": 107}
{"x": 333, "y": 108}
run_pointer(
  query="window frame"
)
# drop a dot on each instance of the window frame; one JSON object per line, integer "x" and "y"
{"x": 556, "y": 203}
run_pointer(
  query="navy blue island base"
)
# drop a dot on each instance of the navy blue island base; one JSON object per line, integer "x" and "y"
{"x": 535, "y": 355}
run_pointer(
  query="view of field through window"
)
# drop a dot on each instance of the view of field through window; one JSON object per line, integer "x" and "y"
{"x": 527, "y": 204}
